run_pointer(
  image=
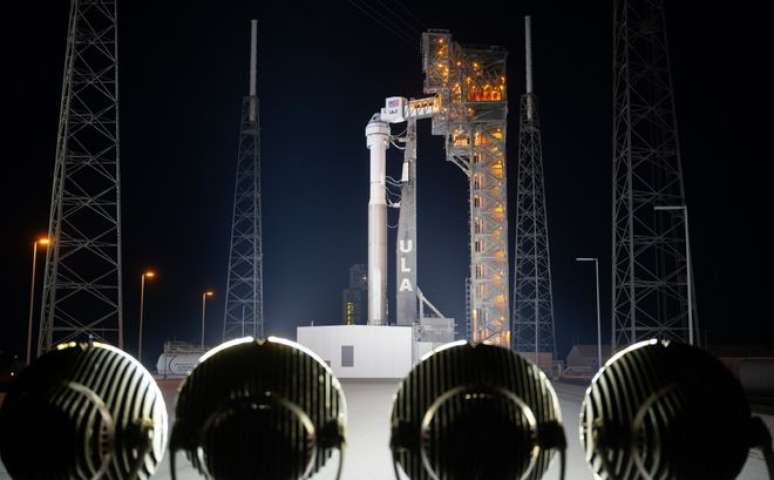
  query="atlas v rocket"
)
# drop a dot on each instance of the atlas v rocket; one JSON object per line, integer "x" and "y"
{"x": 378, "y": 140}
{"x": 406, "y": 251}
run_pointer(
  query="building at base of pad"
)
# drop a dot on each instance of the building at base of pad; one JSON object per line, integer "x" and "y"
{"x": 375, "y": 352}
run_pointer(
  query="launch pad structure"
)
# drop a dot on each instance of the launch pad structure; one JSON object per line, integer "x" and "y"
{"x": 469, "y": 108}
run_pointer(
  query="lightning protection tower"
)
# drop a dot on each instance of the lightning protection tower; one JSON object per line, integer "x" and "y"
{"x": 649, "y": 265}
{"x": 82, "y": 280}
{"x": 533, "y": 305}
{"x": 244, "y": 288}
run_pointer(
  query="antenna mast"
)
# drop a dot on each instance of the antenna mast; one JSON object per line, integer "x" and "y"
{"x": 533, "y": 304}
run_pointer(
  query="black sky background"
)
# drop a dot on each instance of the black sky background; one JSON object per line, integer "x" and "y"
{"x": 325, "y": 67}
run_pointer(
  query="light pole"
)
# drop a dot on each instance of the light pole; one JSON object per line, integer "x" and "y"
{"x": 689, "y": 269}
{"x": 43, "y": 242}
{"x": 599, "y": 322}
{"x": 207, "y": 294}
{"x": 146, "y": 274}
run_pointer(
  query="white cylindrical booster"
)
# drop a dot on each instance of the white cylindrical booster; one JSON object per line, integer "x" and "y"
{"x": 378, "y": 140}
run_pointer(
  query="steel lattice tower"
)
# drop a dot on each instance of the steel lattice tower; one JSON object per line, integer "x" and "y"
{"x": 469, "y": 83}
{"x": 533, "y": 305}
{"x": 649, "y": 266}
{"x": 82, "y": 282}
{"x": 243, "y": 313}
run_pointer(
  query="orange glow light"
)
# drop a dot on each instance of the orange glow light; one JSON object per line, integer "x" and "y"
{"x": 149, "y": 274}
{"x": 209, "y": 293}
{"x": 43, "y": 241}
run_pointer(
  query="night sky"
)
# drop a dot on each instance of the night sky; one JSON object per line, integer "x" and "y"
{"x": 325, "y": 67}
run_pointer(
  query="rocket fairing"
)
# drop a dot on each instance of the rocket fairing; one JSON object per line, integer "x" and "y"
{"x": 378, "y": 140}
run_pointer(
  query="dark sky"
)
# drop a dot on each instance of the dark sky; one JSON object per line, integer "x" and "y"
{"x": 325, "y": 67}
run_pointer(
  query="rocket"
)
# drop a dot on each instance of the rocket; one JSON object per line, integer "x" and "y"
{"x": 406, "y": 248}
{"x": 377, "y": 134}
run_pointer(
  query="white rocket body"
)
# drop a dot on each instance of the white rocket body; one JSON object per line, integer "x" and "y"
{"x": 378, "y": 140}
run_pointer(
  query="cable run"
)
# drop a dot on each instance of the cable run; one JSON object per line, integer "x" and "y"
{"x": 402, "y": 36}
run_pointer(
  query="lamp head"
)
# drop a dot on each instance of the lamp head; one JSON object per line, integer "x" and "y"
{"x": 97, "y": 411}
{"x": 464, "y": 405}
{"x": 686, "y": 416}
{"x": 266, "y": 409}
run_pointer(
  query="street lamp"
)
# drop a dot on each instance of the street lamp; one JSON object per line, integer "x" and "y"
{"x": 44, "y": 242}
{"x": 599, "y": 323}
{"x": 150, "y": 274}
{"x": 207, "y": 294}
{"x": 684, "y": 210}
